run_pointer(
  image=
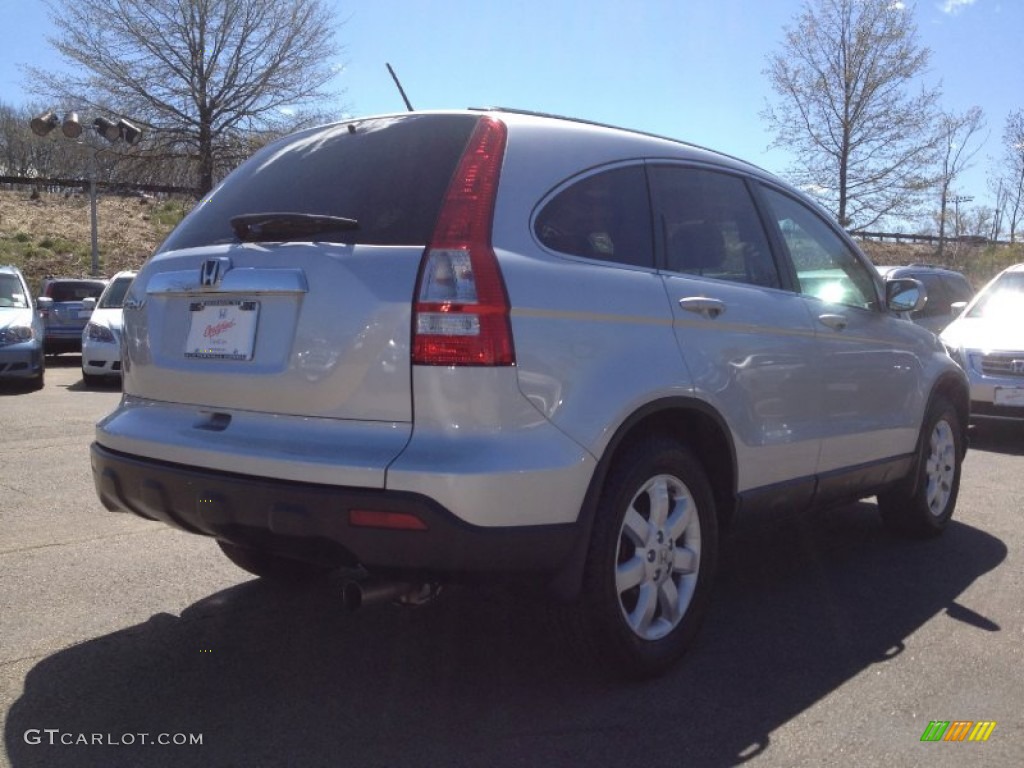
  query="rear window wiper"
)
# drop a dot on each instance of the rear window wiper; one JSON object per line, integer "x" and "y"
{"x": 272, "y": 227}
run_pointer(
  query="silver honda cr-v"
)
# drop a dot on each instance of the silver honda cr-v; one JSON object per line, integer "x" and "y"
{"x": 462, "y": 345}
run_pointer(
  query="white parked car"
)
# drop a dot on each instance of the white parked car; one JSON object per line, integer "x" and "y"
{"x": 101, "y": 337}
{"x": 987, "y": 339}
{"x": 441, "y": 346}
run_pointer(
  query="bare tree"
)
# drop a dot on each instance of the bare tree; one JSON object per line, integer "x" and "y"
{"x": 199, "y": 75}
{"x": 850, "y": 108}
{"x": 955, "y": 156}
{"x": 1012, "y": 176}
{"x": 14, "y": 150}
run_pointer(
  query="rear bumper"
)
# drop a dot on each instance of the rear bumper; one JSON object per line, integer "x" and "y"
{"x": 57, "y": 340}
{"x": 310, "y": 522}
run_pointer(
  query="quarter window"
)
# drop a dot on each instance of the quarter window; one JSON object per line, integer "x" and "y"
{"x": 605, "y": 216}
{"x": 825, "y": 266}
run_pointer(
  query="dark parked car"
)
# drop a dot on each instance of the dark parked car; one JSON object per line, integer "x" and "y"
{"x": 944, "y": 287}
{"x": 61, "y": 305}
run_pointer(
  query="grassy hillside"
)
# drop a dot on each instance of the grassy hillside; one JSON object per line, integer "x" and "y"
{"x": 51, "y": 236}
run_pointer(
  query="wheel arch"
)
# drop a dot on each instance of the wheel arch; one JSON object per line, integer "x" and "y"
{"x": 692, "y": 422}
{"x": 955, "y": 389}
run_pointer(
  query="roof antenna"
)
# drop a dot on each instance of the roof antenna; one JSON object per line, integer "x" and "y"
{"x": 400, "y": 89}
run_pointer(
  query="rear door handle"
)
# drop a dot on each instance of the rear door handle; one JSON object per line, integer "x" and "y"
{"x": 702, "y": 305}
{"x": 835, "y": 322}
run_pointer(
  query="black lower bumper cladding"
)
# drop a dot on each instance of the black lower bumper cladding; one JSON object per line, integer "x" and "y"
{"x": 311, "y": 522}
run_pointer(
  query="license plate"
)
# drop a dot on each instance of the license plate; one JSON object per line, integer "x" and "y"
{"x": 222, "y": 329}
{"x": 1009, "y": 396}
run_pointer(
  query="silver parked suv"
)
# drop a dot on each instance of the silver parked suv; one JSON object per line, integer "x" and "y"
{"x": 478, "y": 344}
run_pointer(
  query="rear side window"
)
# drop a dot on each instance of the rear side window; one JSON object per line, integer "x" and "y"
{"x": 958, "y": 288}
{"x": 389, "y": 174}
{"x": 938, "y": 297}
{"x": 710, "y": 226}
{"x": 605, "y": 216}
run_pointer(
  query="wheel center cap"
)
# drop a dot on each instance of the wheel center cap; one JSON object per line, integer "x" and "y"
{"x": 660, "y": 556}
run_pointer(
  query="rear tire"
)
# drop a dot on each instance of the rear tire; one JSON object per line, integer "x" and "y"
{"x": 651, "y": 563}
{"x": 924, "y": 509}
{"x": 270, "y": 566}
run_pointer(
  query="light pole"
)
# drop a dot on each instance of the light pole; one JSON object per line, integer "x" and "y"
{"x": 956, "y": 213}
{"x": 71, "y": 128}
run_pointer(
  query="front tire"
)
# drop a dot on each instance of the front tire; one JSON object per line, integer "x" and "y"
{"x": 924, "y": 509}
{"x": 652, "y": 560}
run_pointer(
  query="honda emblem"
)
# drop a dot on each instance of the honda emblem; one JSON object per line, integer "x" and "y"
{"x": 212, "y": 271}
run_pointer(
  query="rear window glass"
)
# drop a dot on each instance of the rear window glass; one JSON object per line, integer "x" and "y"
{"x": 74, "y": 290}
{"x": 389, "y": 174}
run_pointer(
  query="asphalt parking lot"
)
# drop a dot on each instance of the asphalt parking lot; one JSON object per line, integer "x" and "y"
{"x": 829, "y": 642}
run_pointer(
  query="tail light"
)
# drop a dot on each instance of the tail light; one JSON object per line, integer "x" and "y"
{"x": 461, "y": 314}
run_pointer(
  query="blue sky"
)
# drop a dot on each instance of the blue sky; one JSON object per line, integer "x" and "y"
{"x": 690, "y": 69}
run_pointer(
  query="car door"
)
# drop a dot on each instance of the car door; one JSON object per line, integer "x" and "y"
{"x": 749, "y": 345}
{"x": 873, "y": 381}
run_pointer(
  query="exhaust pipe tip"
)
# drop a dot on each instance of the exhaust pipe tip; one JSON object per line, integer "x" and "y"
{"x": 356, "y": 594}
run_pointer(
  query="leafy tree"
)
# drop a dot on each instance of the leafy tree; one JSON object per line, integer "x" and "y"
{"x": 850, "y": 109}
{"x": 200, "y": 76}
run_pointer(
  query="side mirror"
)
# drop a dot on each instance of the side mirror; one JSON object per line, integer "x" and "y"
{"x": 89, "y": 303}
{"x": 905, "y": 294}
{"x": 44, "y": 304}
{"x": 957, "y": 307}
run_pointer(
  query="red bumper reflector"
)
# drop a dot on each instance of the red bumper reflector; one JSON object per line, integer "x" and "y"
{"x": 371, "y": 518}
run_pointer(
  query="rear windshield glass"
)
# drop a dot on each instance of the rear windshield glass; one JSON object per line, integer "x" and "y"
{"x": 74, "y": 290}
{"x": 113, "y": 297}
{"x": 389, "y": 174}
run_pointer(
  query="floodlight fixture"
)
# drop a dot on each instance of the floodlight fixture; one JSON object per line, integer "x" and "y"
{"x": 107, "y": 129}
{"x": 71, "y": 127}
{"x": 128, "y": 133}
{"x": 42, "y": 124}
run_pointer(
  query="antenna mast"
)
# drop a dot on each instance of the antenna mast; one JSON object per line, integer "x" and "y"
{"x": 400, "y": 89}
